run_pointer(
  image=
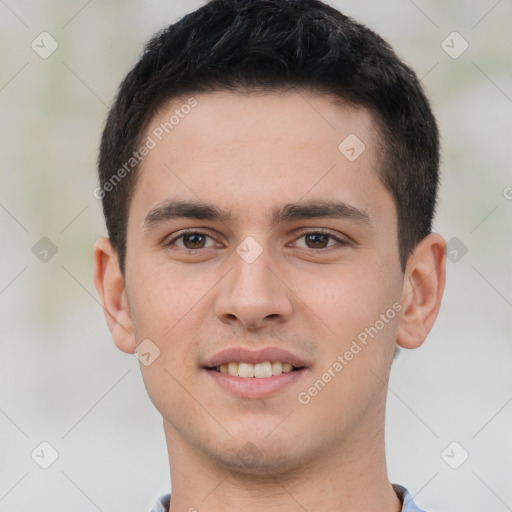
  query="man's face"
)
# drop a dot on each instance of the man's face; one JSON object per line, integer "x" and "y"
{"x": 305, "y": 283}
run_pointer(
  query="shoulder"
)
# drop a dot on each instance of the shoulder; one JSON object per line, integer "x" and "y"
{"x": 162, "y": 504}
{"x": 408, "y": 504}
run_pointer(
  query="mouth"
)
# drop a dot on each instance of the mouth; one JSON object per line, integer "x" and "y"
{"x": 262, "y": 370}
{"x": 259, "y": 386}
{"x": 255, "y": 373}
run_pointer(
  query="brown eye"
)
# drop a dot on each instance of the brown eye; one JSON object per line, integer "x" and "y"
{"x": 194, "y": 241}
{"x": 320, "y": 240}
{"x": 317, "y": 240}
{"x": 190, "y": 241}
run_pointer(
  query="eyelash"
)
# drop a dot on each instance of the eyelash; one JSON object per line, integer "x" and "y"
{"x": 341, "y": 242}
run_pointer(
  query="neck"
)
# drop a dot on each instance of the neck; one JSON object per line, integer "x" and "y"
{"x": 349, "y": 476}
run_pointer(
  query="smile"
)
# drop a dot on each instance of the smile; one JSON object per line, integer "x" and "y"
{"x": 258, "y": 371}
{"x": 257, "y": 381}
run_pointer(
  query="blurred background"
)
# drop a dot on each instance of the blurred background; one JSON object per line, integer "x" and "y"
{"x": 64, "y": 384}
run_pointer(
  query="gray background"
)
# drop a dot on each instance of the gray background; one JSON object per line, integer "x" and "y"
{"x": 62, "y": 379}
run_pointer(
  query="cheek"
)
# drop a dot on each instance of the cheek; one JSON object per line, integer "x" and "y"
{"x": 346, "y": 300}
{"x": 356, "y": 308}
{"x": 356, "y": 333}
{"x": 167, "y": 308}
{"x": 164, "y": 297}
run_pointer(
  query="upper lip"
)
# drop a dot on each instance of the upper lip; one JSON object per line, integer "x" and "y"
{"x": 244, "y": 355}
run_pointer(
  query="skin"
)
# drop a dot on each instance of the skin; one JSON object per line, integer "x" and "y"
{"x": 250, "y": 153}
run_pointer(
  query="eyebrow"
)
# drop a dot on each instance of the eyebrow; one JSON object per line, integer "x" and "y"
{"x": 171, "y": 210}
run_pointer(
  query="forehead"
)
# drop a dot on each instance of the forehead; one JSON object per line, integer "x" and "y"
{"x": 302, "y": 118}
{"x": 252, "y": 149}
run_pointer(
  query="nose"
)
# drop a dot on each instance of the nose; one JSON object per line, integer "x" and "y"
{"x": 253, "y": 295}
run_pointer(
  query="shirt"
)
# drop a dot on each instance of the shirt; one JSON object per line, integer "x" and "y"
{"x": 408, "y": 505}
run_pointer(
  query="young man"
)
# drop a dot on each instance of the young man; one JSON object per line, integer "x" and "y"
{"x": 269, "y": 174}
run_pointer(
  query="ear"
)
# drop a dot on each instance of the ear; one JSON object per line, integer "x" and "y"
{"x": 424, "y": 281}
{"x": 109, "y": 282}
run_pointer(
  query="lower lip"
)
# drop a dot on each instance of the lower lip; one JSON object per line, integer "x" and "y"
{"x": 254, "y": 387}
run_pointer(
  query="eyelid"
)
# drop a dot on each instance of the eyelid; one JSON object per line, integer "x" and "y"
{"x": 341, "y": 240}
{"x": 180, "y": 234}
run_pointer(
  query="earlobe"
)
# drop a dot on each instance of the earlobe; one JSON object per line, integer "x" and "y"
{"x": 110, "y": 285}
{"x": 424, "y": 282}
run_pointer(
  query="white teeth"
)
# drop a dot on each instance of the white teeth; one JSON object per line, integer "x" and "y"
{"x": 277, "y": 368}
{"x": 233, "y": 369}
{"x": 245, "y": 370}
{"x": 259, "y": 370}
{"x": 262, "y": 370}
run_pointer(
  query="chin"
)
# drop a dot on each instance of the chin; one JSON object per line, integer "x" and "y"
{"x": 259, "y": 458}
